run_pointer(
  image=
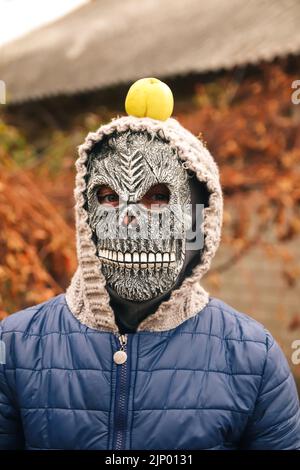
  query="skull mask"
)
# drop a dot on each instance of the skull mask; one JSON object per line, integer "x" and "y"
{"x": 141, "y": 247}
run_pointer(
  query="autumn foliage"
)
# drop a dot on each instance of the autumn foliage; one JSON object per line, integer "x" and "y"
{"x": 36, "y": 245}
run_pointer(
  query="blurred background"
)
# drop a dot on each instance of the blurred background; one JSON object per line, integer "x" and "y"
{"x": 232, "y": 67}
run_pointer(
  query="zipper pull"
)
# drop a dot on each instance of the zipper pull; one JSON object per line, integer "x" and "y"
{"x": 121, "y": 356}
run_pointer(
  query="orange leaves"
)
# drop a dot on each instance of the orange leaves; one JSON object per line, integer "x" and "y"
{"x": 295, "y": 323}
{"x": 291, "y": 275}
{"x": 255, "y": 138}
{"x": 37, "y": 252}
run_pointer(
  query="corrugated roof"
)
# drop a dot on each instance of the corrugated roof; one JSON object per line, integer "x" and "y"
{"x": 108, "y": 42}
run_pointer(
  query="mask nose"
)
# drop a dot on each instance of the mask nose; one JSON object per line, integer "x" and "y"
{"x": 128, "y": 216}
{"x": 128, "y": 219}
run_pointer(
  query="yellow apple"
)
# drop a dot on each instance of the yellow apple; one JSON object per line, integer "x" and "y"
{"x": 149, "y": 97}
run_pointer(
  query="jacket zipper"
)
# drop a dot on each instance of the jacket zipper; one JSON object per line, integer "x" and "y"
{"x": 121, "y": 399}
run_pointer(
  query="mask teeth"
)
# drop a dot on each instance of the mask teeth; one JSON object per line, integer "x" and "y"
{"x": 139, "y": 260}
{"x": 128, "y": 260}
{"x": 143, "y": 260}
{"x": 151, "y": 258}
{"x": 158, "y": 257}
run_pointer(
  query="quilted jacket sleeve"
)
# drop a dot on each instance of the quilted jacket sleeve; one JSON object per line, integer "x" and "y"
{"x": 11, "y": 435}
{"x": 275, "y": 422}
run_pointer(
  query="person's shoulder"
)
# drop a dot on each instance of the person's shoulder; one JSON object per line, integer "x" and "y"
{"x": 235, "y": 335}
{"x": 42, "y": 318}
{"x": 231, "y": 324}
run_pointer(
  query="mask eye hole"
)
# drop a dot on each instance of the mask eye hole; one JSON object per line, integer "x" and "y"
{"x": 107, "y": 196}
{"x": 158, "y": 195}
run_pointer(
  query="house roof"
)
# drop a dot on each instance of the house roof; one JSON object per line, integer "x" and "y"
{"x": 108, "y": 42}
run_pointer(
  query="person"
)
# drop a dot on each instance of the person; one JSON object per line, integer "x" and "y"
{"x": 136, "y": 354}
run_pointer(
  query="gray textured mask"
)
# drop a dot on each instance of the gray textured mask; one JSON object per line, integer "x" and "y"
{"x": 142, "y": 258}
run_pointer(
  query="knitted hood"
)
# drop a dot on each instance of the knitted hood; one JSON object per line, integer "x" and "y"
{"x": 87, "y": 296}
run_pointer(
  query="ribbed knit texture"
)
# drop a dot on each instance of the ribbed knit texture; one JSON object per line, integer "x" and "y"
{"x": 87, "y": 296}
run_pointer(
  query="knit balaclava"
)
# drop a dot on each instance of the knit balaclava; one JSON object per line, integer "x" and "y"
{"x": 131, "y": 156}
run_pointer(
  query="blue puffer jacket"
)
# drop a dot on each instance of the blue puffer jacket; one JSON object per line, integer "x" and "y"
{"x": 216, "y": 381}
